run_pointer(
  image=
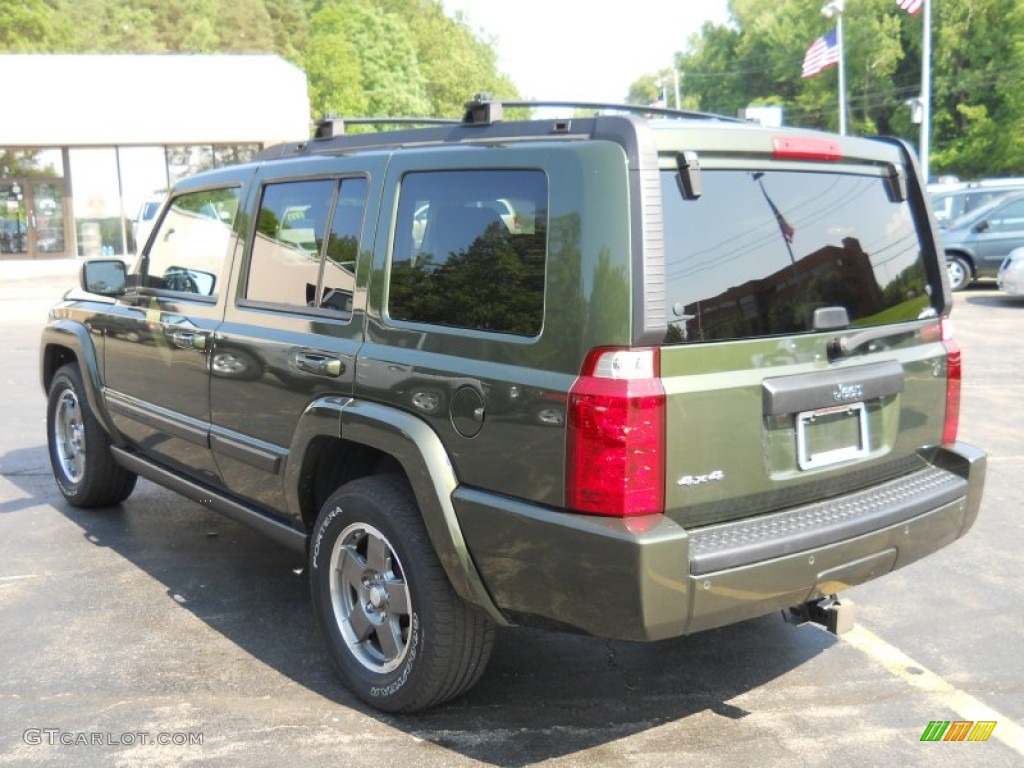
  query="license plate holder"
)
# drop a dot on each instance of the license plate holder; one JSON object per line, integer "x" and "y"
{"x": 832, "y": 435}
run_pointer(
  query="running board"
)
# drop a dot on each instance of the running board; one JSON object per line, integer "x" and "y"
{"x": 279, "y": 532}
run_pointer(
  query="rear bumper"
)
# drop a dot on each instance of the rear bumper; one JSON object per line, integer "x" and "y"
{"x": 648, "y": 579}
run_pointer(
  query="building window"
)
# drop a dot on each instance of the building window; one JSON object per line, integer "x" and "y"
{"x": 189, "y": 159}
{"x": 97, "y": 202}
{"x": 24, "y": 163}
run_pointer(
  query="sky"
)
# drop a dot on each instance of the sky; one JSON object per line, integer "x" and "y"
{"x": 585, "y": 51}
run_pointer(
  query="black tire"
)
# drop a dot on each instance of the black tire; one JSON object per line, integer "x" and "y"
{"x": 959, "y": 270}
{"x": 397, "y": 633}
{"x": 80, "y": 456}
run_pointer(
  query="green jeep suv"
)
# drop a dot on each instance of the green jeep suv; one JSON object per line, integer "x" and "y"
{"x": 632, "y": 375}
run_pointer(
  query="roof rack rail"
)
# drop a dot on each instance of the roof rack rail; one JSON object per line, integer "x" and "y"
{"x": 330, "y": 126}
{"x": 483, "y": 121}
{"x": 484, "y": 109}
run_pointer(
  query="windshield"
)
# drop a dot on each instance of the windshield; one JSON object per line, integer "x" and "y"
{"x": 759, "y": 252}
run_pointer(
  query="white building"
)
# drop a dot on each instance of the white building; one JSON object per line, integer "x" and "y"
{"x": 86, "y": 140}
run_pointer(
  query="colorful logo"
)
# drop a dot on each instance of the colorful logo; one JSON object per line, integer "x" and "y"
{"x": 958, "y": 730}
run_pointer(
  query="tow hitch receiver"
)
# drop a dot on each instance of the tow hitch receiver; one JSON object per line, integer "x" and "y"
{"x": 835, "y": 616}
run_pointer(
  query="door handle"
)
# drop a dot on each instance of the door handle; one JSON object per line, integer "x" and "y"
{"x": 321, "y": 365}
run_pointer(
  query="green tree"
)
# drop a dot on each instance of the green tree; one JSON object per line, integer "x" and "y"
{"x": 388, "y": 72}
{"x": 24, "y": 25}
{"x": 455, "y": 63}
{"x": 977, "y": 67}
{"x": 649, "y": 89}
{"x": 332, "y": 68}
{"x": 290, "y": 27}
{"x": 250, "y": 24}
{"x": 976, "y": 98}
{"x": 382, "y": 57}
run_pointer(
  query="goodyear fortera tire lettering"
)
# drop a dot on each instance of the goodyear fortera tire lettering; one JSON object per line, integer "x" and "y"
{"x": 398, "y": 635}
{"x": 80, "y": 456}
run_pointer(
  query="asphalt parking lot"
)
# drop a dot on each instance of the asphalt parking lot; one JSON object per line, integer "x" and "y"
{"x": 159, "y": 633}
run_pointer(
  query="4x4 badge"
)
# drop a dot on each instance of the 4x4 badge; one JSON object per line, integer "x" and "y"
{"x": 701, "y": 479}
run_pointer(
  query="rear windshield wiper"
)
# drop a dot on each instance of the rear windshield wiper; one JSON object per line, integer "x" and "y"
{"x": 841, "y": 346}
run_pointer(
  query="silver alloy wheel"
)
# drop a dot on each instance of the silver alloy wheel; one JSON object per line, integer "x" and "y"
{"x": 958, "y": 276}
{"x": 69, "y": 436}
{"x": 370, "y": 598}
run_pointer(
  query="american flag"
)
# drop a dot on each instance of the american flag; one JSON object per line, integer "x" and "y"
{"x": 784, "y": 226}
{"x": 910, "y": 6}
{"x": 823, "y": 52}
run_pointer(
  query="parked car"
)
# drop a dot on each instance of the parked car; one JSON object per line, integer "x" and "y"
{"x": 617, "y": 375}
{"x": 1011, "y": 273}
{"x": 976, "y": 244}
{"x": 951, "y": 201}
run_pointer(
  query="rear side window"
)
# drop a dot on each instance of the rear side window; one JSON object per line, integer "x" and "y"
{"x": 307, "y": 238}
{"x": 470, "y": 250}
{"x": 759, "y": 252}
{"x": 190, "y": 249}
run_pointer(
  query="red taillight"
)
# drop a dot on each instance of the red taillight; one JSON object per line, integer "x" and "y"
{"x": 805, "y": 148}
{"x": 953, "y": 378}
{"x": 615, "y": 455}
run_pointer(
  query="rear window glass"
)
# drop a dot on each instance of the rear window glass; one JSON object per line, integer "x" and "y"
{"x": 759, "y": 252}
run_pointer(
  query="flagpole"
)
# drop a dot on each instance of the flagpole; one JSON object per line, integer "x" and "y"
{"x": 835, "y": 8}
{"x": 926, "y": 89}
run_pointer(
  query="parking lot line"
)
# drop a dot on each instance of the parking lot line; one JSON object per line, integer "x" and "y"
{"x": 909, "y": 671}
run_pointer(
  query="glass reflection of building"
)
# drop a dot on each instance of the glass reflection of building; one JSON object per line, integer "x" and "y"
{"x": 831, "y": 276}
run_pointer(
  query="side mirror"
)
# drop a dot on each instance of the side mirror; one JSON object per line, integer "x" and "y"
{"x": 981, "y": 226}
{"x": 107, "y": 277}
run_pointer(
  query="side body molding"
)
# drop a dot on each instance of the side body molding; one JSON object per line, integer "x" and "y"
{"x": 425, "y": 461}
{"x": 68, "y": 334}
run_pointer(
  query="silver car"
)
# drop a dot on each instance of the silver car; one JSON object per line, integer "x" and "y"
{"x": 1011, "y": 273}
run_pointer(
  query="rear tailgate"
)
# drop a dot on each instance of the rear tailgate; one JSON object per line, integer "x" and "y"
{"x": 804, "y": 360}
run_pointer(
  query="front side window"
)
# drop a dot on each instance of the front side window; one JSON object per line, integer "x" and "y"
{"x": 470, "y": 250}
{"x": 307, "y": 238}
{"x": 1006, "y": 218}
{"x": 760, "y": 251}
{"x": 189, "y": 252}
